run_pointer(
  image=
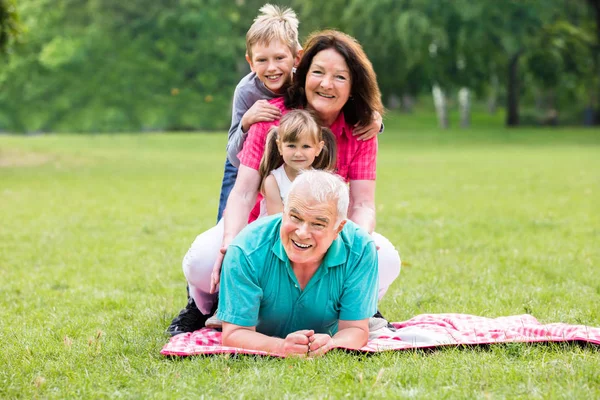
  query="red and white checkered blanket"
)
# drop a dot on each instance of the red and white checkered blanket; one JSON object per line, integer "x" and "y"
{"x": 422, "y": 331}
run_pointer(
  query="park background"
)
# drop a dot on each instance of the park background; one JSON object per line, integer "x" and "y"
{"x": 115, "y": 117}
{"x": 113, "y": 66}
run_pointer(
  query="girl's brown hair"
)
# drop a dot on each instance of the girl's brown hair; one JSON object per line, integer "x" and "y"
{"x": 294, "y": 124}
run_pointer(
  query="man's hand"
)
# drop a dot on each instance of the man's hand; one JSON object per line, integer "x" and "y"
{"x": 369, "y": 131}
{"x": 298, "y": 343}
{"x": 320, "y": 344}
{"x": 215, "y": 277}
{"x": 260, "y": 111}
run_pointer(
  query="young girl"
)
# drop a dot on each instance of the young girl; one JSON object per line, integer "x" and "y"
{"x": 297, "y": 143}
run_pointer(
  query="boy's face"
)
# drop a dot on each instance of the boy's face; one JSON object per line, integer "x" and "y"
{"x": 273, "y": 64}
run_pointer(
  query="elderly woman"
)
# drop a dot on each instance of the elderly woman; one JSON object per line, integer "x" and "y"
{"x": 336, "y": 81}
{"x": 303, "y": 282}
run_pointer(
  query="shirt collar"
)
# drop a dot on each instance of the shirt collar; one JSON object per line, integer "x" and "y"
{"x": 339, "y": 125}
{"x": 336, "y": 254}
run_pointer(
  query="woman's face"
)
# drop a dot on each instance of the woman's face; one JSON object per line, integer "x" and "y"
{"x": 328, "y": 85}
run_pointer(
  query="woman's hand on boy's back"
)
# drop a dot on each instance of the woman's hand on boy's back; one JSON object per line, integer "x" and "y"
{"x": 368, "y": 131}
{"x": 261, "y": 111}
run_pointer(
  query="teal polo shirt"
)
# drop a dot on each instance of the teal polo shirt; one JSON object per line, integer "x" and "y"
{"x": 259, "y": 288}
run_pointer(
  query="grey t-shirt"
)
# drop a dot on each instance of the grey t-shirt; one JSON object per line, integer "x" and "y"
{"x": 247, "y": 92}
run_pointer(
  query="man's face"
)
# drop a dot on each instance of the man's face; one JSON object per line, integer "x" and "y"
{"x": 273, "y": 64}
{"x": 308, "y": 229}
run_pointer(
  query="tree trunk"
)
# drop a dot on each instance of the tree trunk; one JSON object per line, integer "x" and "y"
{"x": 464, "y": 101}
{"x": 512, "y": 93}
{"x": 408, "y": 103}
{"x": 492, "y": 101}
{"x": 539, "y": 100}
{"x": 596, "y": 5}
{"x": 393, "y": 102}
{"x": 441, "y": 106}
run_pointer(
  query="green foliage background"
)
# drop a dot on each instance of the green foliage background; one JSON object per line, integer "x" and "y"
{"x": 113, "y": 66}
{"x": 109, "y": 65}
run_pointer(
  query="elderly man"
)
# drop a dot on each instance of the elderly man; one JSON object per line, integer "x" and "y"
{"x": 303, "y": 282}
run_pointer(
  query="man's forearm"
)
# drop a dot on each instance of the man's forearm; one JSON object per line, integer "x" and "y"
{"x": 351, "y": 338}
{"x": 252, "y": 340}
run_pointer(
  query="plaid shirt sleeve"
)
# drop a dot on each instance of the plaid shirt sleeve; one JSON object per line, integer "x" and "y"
{"x": 363, "y": 165}
{"x": 254, "y": 147}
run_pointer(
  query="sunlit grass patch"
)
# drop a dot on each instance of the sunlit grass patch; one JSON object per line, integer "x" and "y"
{"x": 488, "y": 221}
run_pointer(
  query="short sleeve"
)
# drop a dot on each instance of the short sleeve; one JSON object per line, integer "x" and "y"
{"x": 359, "y": 297}
{"x": 239, "y": 294}
{"x": 254, "y": 146}
{"x": 363, "y": 165}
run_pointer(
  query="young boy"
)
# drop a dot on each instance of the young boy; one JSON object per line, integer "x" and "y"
{"x": 272, "y": 51}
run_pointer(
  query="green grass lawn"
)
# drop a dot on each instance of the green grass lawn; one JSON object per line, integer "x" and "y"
{"x": 488, "y": 221}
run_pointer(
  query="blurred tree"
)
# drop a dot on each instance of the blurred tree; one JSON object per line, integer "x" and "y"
{"x": 9, "y": 24}
{"x": 561, "y": 56}
{"x": 498, "y": 35}
{"x": 106, "y": 65}
{"x": 395, "y": 34}
{"x": 510, "y": 27}
{"x": 110, "y": 65}
{"x": 595, "y": 103}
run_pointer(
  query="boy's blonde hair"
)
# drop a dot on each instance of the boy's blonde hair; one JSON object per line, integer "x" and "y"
{"x": 274, "y": 23}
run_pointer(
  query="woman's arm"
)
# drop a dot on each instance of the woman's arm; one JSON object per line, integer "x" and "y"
{"x": 239, "y": 204}
{"x": 272, "y": 196}
{"x": 362, "y": 204}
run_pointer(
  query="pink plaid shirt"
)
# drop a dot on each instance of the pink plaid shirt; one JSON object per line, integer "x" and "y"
{"x": 356, "y": 160}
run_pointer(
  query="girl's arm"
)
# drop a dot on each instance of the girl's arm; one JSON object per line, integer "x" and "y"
{"x": 272, "y": 196}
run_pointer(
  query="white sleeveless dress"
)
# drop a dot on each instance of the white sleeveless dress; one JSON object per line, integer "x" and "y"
{"x": 284, "y": 184}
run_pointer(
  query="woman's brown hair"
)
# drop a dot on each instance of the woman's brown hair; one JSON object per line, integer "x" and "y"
{"x": 365, "y": 97}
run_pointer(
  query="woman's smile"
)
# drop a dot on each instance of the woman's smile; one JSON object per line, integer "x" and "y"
{"x": 328, "y": 85}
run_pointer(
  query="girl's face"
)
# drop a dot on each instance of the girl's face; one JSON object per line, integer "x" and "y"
{"x": 300, "y": 154}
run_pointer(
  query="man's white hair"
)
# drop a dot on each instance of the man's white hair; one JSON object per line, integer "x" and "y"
{"x": 322, "y": 186}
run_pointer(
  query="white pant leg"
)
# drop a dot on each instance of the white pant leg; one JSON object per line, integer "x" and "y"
{"x": 198, "y": 265}
{"x": 389, "y": 262}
